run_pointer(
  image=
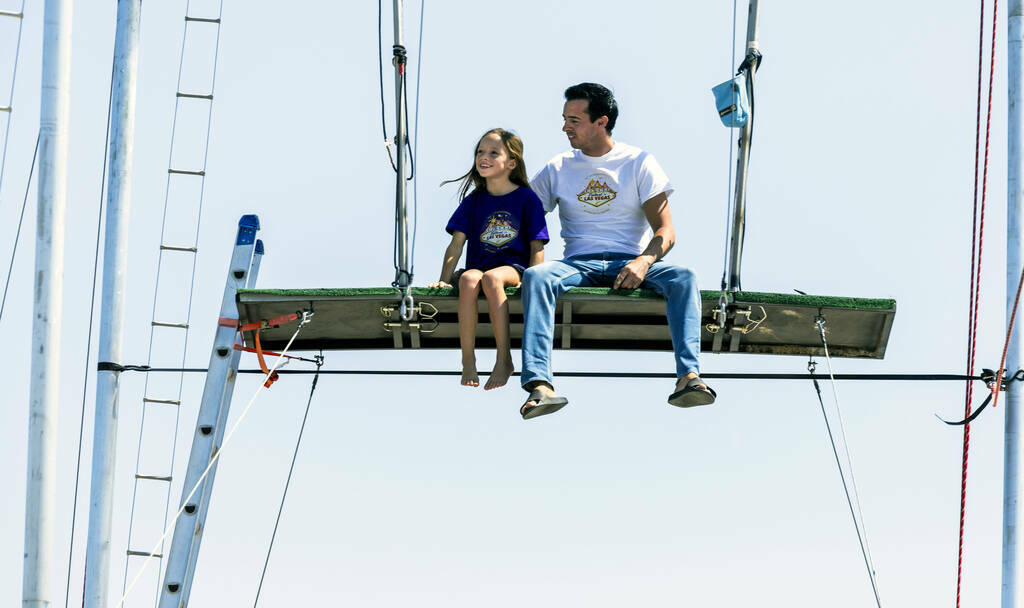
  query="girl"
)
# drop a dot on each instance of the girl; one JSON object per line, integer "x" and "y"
{"x": 503, "y": 221}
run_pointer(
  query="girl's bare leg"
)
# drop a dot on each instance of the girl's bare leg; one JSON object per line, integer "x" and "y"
{"x": 494, "y": 282}
{"x": 469, "y": 292}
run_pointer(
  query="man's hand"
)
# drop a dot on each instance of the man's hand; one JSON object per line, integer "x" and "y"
{"x": 632, "y": 275}
{"x": 437, "y": 285}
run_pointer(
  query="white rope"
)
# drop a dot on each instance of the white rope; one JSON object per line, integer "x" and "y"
{"x": 859, "y": 523}
{"x": 213, "y": 461}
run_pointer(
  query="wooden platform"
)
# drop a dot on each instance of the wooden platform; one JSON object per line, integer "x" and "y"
{"x": 586, "y": 318}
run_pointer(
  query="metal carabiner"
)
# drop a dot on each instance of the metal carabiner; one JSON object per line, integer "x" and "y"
{"x": 407, "y": 310}
{"x": 723, "y": 308}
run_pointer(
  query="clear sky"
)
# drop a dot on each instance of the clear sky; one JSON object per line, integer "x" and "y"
{"x": 415, "y": 490}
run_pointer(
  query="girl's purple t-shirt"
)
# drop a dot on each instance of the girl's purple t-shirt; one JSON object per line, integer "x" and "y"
{"x": 499, "y": 228}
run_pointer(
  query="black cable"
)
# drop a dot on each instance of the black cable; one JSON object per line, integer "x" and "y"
{"x": 288, "y": 482}
{"x": 17, "y": 234}
{"x": 88, "y": 338}
{"x": 749, "y": 66}
{"x": 750, "y": 145}
{"x": 380, "y": 68}
{"x": 710, "y": 375}
{"x": 408, "y": 142}
{"x": 416, "y": 145}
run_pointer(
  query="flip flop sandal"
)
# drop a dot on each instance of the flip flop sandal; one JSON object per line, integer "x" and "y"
{"x": 691, "y": 395}
{"x": 545, "y": 405}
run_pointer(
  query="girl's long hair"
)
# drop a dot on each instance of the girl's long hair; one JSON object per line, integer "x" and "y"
{"x": 473, "y": 181}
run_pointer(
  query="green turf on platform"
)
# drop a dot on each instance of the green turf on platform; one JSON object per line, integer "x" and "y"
{"x": 784, "y": 299}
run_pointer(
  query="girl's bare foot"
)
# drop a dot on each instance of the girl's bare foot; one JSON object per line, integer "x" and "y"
{"x": 469, "y": 375}
{"x": 500, "y": 374}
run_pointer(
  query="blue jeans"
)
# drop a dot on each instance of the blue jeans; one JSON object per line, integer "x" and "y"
{"x": 543, "y": 283}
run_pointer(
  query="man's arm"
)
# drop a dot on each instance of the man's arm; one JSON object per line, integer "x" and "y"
{"x": 660, "y": 218}
{"x": 536, "y": 252}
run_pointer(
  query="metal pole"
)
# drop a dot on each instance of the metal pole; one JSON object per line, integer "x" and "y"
{"x": 402, "y": 278}
{"x": 122, "y": 141}
{"x": 742, "y": 161}
{"x": 41, "y": 486}
{"x": 1013, "y": 550}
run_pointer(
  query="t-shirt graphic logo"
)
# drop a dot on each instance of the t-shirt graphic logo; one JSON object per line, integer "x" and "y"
{"x": 597, "y": 192}
{"x": 499, "y": 229}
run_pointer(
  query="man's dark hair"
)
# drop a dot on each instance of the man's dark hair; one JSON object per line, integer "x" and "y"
{"x": 600, "y": 102}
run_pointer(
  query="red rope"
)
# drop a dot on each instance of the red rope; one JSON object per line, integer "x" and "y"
{"x": 1006, "y": 345}
{"x": 977, "y": 241}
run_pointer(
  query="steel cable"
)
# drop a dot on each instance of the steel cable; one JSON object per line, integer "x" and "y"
{"x": 17, "y": 233}
{"x": 288, "y": 481}
{"x": 88, "y": 334}
{"x": 857, "y": 514}
{"x": 10, "y": 96}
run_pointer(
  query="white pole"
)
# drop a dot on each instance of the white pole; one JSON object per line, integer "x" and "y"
{"x": 122, "y": 140}
{"x": 41, "y": 486}
{"x": 1013, "y": 551}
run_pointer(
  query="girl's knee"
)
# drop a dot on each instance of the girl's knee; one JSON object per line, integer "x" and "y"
{"x": 493, "y": 282}
{"x": 470, "y": 279}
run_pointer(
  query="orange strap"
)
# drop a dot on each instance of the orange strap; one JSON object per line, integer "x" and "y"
{"x": 272, "y": 353}
{"x": 255, "y": 329}
{"x": 271, "y": 323}
{"x": 263, "y": 364}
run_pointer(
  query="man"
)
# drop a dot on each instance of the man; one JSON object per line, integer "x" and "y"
{"x": 610, "y": 196}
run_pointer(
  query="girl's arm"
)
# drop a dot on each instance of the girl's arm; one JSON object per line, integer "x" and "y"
{"x": 451, "y": 258}
{"x": 536, "y": 252}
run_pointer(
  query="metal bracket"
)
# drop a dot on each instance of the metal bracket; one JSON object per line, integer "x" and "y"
{"x": 426, "y": 323}
{"x": 726, "y": 321}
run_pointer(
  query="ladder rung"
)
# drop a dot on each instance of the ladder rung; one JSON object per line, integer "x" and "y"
{"x": 164, "y": 401}
{"x": 14, "y": 14}
{"x": 177, "y": 325}
{"x": 176, "y": 248}
{"x": 144, "y": 554}
{"x": 5, "y": 109}
{"x": 153, "y": 477}
{"x": 202, "y": 19}
{"x": 195, "y": 96}
{"x": 186, "y": 172}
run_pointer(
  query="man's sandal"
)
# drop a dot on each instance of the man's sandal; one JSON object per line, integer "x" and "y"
{"x": 545, "y": 405}
{"x": 693, "y": 395}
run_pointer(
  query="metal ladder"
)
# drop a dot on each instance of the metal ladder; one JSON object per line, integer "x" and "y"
{"x": 172, "y": 301}
{"x": 211, "y": 423}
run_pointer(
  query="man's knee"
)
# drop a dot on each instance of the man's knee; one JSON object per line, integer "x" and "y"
{"x": 539, "y": 275}
{"x": 679, "y": 276}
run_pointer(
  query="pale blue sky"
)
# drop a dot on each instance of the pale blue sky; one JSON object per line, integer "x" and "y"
{"x": 415, "y": 490}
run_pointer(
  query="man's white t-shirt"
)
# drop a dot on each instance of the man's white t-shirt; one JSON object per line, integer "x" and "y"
{"x": 599, "y": 198}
